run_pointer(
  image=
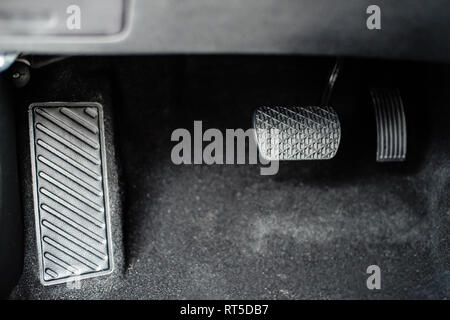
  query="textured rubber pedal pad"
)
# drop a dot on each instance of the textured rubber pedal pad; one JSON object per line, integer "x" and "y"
{"x": 391, "y": 125}
{"x": 297, "y": 133}
{"x": 70, "y": 191}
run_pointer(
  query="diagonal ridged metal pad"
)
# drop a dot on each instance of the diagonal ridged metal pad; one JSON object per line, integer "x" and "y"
{"x": 297, "y": 133}
{"x": 70, "y": 191}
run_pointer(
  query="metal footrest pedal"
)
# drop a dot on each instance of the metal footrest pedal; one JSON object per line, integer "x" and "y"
{"x": 391, "y": 125}
{"x": 70, "y": 191}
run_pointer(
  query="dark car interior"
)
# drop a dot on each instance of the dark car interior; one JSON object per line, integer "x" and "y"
{"x": 93, "y": 206}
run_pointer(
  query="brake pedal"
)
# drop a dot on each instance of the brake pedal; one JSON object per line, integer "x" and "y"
{"x": 70, "y": 191}
{"x": 391, "y": 125}
{"x": 298, "y": 133}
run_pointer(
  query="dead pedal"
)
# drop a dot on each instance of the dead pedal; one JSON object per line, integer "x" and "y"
{"x": 70, "y": 191}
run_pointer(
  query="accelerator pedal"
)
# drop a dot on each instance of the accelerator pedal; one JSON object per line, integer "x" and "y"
{"x": 391, "y": 125}
{"x": 70, "y": 191}
{"x": 297, "y": 133}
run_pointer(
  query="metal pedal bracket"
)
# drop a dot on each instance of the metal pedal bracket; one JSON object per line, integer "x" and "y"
{"x": 70, "y": 191}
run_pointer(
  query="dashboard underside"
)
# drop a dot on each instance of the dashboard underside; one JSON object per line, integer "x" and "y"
{"x": 408, "y": 30}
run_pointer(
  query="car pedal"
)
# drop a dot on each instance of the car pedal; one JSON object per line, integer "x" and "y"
{"x": 391, "y": 125}
{"x": 70, "y": 191}
{"x": 297, "y": 133}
